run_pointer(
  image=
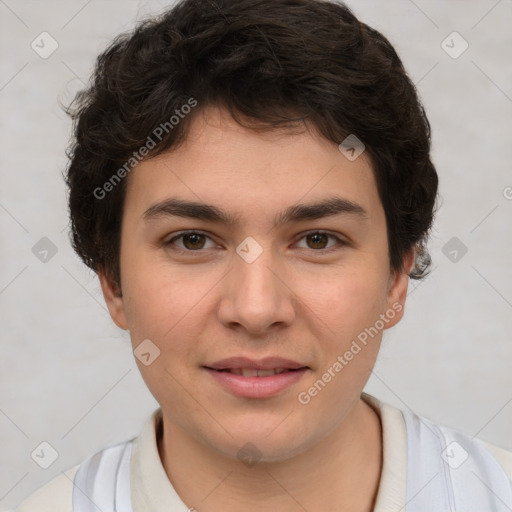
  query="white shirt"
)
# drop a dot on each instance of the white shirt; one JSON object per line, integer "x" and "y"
{"x": 151, "y": 490}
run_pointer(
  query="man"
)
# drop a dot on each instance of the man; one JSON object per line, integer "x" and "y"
{"x": 251, "y": 181}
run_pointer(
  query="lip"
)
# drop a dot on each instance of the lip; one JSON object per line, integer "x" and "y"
{"x": 256, "y": 387}
{"x": 266, "y": 363}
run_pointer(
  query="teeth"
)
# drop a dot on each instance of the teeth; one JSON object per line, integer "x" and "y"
{"x": 266, "y": 373}
{"x": 253, "y": 372}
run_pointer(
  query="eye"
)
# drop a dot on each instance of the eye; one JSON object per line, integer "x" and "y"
{"x": 192, "y": 241}
{"x": 317, "y": 240}
{"x": 195, "y": 241}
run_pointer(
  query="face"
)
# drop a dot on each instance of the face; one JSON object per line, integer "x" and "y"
{"x": 264, "y": 310}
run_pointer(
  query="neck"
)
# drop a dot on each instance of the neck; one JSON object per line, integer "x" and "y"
{"x": 340, "y": 472}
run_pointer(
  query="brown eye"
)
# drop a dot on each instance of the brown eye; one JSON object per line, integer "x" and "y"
{"x": 191, "y": 241}
{"x": 319, "y": 240}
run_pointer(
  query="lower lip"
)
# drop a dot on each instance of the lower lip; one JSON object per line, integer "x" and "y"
{"x": 256, "y": 387}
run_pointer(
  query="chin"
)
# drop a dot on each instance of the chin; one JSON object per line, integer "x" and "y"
{"x": 260, "y": 452}
{"x": 251, "y": 444}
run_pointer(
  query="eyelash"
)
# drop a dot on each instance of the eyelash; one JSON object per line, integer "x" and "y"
{"x": 199, "y": 251}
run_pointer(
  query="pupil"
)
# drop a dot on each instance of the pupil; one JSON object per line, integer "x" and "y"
{"x": 315, "y": 237}
{"x": 194, "y": 238}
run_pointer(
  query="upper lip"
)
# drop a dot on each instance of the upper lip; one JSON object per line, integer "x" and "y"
{"x": 266, "y": 363}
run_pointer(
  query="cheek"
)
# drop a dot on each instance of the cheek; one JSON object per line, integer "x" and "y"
{"x": 346, "y": 302}
{"x": 155, "y": 299}
{"x": 349, "y": 307}
{"x": 166, "y": 304}
{"x": 165, "y": 308}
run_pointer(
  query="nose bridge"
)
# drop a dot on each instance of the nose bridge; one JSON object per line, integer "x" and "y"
{"x": 256, "y": 297}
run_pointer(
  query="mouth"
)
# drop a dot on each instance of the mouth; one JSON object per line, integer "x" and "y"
{"x": 275, "y": 364}
{"x": 255, "y": 372}
{"x": 250, "y": 378}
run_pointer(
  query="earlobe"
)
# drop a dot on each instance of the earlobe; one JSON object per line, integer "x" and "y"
{"x": 397, "y": 292}
{"x": 113, "y": 299}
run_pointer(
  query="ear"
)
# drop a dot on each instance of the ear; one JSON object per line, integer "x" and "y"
{"x": 113, "y": 299}
{"x": 397, "y": 291}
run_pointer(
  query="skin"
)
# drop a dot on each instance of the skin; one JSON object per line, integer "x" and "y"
{"x": 297, "y": 300}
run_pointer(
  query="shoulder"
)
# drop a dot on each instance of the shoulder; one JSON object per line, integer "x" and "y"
{"x": 417, "y": 430}
{"x": 57, "y": 494}
{"x": 504, "y": 457}
{"x": 54, "y": 496}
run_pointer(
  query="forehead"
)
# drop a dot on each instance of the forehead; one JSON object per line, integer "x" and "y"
{"x": 241, "y": 170}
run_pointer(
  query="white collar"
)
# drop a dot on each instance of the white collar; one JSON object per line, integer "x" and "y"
{"x": 152, "y": 490}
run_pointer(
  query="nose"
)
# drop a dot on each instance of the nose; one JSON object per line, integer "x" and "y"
{"x": 257, "y": 295}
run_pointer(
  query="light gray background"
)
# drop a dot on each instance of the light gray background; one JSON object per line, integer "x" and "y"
{"x": 67, "y": 374}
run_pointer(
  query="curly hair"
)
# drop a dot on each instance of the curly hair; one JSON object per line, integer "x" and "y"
{"x": 271, "y": 63}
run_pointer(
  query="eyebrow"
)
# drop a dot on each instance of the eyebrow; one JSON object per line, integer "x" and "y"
{"x": 308, "y": 211}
